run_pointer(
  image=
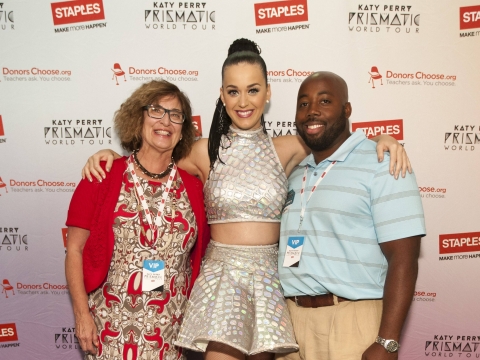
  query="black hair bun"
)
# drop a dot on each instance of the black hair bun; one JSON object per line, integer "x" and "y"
{"x": 244, "y": 45}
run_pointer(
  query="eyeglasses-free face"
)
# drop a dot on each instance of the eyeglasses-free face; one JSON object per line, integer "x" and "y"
{"x": 158, "y": 112}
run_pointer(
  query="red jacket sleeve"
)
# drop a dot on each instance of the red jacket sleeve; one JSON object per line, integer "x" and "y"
{"x": 82, "y": 204}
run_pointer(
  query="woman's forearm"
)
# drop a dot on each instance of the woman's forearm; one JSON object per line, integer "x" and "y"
{"x": 74, "y": 269}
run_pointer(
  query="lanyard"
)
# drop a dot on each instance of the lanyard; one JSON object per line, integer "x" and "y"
{"x": 302, "y": 191}
{"x": 141, "y": 196}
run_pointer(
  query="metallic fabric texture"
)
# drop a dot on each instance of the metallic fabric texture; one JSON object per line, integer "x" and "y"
{"x": 250, "y": 185}
{"x": 237, "y": 300}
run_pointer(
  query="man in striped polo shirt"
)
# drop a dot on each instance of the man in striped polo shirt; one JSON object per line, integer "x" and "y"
{"x": 350, "y": 236}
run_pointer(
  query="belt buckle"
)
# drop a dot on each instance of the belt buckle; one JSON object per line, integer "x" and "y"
{"x": 296, "y": 302}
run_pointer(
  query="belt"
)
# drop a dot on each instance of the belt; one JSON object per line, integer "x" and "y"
{"x": 316, "y": 301}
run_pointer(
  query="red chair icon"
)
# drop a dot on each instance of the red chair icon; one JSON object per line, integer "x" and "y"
{"x": 117, "y": 71}
{"x": 6, "y": 287}
{"x": 3, "y": 185}
{"x": 375, "y": 75}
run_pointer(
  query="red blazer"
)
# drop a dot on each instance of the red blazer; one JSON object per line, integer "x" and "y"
{"x": 92, "y": 207}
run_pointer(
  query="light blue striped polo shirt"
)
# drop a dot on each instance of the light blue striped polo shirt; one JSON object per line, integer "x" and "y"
{"x": 357, "y": 205}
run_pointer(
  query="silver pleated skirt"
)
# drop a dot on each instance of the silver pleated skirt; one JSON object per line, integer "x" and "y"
{"x": 237, "y": 300}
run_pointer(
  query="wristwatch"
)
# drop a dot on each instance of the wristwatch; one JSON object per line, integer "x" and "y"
{"x": 390, "y": 345}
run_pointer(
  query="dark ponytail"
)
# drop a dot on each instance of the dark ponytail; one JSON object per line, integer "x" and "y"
{"x": 240, "y": 51}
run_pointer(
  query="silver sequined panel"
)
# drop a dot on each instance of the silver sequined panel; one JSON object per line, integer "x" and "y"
{"x": 251, "y": 185}
{"x": 237, "y": 300}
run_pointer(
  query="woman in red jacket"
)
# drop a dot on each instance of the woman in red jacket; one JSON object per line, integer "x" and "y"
{"x": 136, "y": 239}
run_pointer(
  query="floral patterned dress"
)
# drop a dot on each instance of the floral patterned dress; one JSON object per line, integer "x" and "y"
{"x": 143, "y": 325}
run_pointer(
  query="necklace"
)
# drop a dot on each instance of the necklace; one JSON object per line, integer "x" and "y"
{"x": 148, "y": 173}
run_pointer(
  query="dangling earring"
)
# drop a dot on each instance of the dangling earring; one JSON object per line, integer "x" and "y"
{"x": 268, "y": 101}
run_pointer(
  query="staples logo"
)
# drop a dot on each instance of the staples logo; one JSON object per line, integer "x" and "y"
{"x": 281, "y": 12}
{"x": 2, "y": 132}
{"x": 197, "y": 122}
{"x": 470, "y": 17}
{"x": 64, "y": 236}
{"x": 394, "y": 128}
{"x": 75, "y": 11}
{"x": 8, "y": 332}
{"x": 456, "y": 243}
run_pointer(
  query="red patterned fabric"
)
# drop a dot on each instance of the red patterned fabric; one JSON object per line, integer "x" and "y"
{"x": 132, "y": 323}
{"x": 92, "y": 208}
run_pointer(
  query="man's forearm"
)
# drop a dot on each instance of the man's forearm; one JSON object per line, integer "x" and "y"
{"x": 397, "y": 298}
{"x": 399, "y": 286}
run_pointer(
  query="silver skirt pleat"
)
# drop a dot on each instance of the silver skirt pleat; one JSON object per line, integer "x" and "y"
{"x": 237, "y": 300}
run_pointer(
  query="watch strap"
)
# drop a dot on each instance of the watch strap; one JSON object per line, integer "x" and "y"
{"x": 390, "y": 345}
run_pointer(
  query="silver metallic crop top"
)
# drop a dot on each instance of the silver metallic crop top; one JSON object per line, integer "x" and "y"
{"x": 251, "y": 185}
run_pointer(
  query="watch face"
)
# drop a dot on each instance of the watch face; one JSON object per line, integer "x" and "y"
{"x": 391, "y": 345}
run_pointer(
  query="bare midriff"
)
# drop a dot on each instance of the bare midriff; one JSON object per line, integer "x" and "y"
{"x": 246, "y": 233}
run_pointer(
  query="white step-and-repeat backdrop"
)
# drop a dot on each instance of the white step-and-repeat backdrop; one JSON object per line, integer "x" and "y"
{"x": 413, "y": 72}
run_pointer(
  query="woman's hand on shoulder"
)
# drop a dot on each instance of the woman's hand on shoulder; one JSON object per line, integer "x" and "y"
{"x": 399, "y": 162}
{"x": 93, "y": 169}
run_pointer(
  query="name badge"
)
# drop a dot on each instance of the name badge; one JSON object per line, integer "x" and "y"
{"x": 289, "y": 200}
{"x": 293, "y": 252}
{"x": 153, "y": 275}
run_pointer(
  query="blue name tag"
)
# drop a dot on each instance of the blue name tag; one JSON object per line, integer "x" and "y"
{"x": 153, "y": 275}
{"x": 293, "y": 252}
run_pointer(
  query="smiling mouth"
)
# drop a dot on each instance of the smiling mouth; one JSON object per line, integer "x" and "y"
{"x": 314, "y": 129}
{"x": 244, "y": 113}
{"x": 315, "y": 126}
{"x": 162, "y": 132}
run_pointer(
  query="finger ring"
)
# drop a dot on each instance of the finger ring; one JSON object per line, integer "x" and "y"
{"x": 87, "y": 352}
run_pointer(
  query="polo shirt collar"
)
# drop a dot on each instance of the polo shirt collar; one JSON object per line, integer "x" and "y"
{"x": 342, "y": 152}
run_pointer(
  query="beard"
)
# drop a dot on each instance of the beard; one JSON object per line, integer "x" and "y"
{"x": 329, "y": 136}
